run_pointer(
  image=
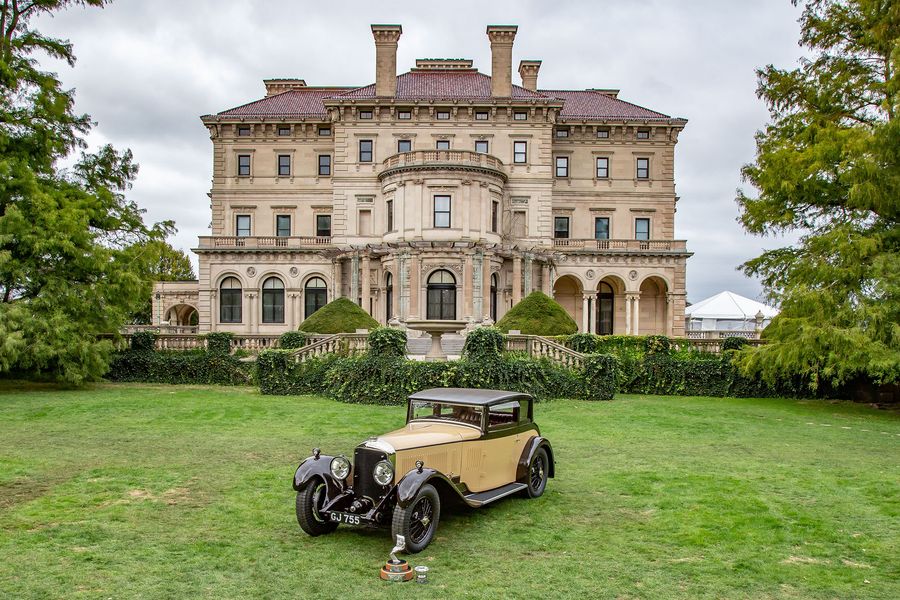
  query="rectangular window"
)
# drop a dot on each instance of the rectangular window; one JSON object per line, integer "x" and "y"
{"x": 603, "y": 133}
{"x": 443, "y": 145}
{"x": 495, "y": 216}
{"x": 520, "y": 220}
{"x": 442, "y": 211}
{"x": 643, "y": 168}
{"x": 365, "y": 114}
{"x": 364, "y": 223}
{"x": 389, "y": 213}
{"x": 481, "y": 116}
{"x": 520, "y": 152}
{"x": 404, "y": 115}
{"x": 561, "y": 227}
{"x": 642, "y": 229}
{"x": 325, "y": 131}
{"x": 284, "y": 131}
{"x": 244, "y": 165}
{"x": 365, "y": 151}
{"x": 283, "y": 225}
{"x": 443, "y": 115}
{"x": 324, "y": 164}
{"x": 404, "y": 145}
{"x": 562, "y": 166}
{"x": 323, "y": 225}
{"x": 562, "y": 133}
{"x": 242, "y": 225}
{"x": 481, "y": 146}
{"x": 520, "y": 116}
{"x": 243, "y": 130}
{"x": 643, "y": 134}
{"x": 602, "y": 167}
{"x": 601, "y": 228}
{"x": 284, "y": 165}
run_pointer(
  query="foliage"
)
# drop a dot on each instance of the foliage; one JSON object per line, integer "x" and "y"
{"x": 179, "y": 367}
{"x": 157, "y": 260}
{"x": 621, "y": 345}
{"x": 483, "y": 343}
{"x": 66, "y": 274}
{"x": 537, "y": 314}
{"x": 734, "y": 343}
{"x": 586, "y": 343}
{"x": 219, "y": 342}
{"x": 292, "y": 339}
{"x": 338, "y": 316}
{"x": 143, "y": 341}
{"x": 828, "y": 171}
{"x": 277, "y": 373}
{"x": 387, "y": 341}
{"x": 656, "y": 344}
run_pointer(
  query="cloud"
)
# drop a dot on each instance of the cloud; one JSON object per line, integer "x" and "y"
{"x": 147, "y": 70}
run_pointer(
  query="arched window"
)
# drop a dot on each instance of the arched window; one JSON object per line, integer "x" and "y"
{"x": 273, "y": 301}
{"x": 315, "y": 296}
{"x": 441, "y": 296}
{"x": 605, "y": 306}
{"x": 388, "y": 297}
{"x": 230, "y": 300}
{"x": 494, "y": 297}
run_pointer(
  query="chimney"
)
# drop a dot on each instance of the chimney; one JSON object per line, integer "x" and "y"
{"x": 386, "y": 37}
{"x": 501, "y": 37}
{"x": 528, "y": 69}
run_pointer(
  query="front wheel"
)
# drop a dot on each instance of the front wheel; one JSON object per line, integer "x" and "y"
{"x": 538, "y": 471}
{"x": 310, "y": 500}
{"x": 419, "y": 520}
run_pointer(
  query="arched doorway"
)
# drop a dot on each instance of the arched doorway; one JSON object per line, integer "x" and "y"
{"x": 653, "y": 307}
{"x": 606, "y": 308}
{"x": 388, "y": 297}
{"x": 273, "y": 300}
{"x": 494, "y": 285}
{"x": 182, "y": 315}
{"x": 230, "y": 301}
{"x": 315, "y": 296}
{"x": 567, "y": 292}
{"x": 441, "y": 298}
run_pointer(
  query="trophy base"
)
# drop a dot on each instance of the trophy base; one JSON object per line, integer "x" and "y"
{"x": 396, "y": 571}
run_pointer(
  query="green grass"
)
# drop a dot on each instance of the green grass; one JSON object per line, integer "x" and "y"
{"x": 119, "y": 491}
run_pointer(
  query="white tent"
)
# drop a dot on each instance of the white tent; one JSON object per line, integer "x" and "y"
{"x": 727, "y": 311}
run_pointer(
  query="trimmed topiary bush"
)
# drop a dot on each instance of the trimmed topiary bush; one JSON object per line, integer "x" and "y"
{"x": 387, "y": 341}
{"x": 338, "y": 316}
{"x": 290, "y": 340}
{"x": 734, "y": 343}
{"x": 219, "y": 342}
{"x": 538, "y": 314}
{"x": 483, "y": 343}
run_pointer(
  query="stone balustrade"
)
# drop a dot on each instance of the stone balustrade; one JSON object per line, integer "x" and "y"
{"x": 263, "y": 241}
{"x": 595, "y": 245}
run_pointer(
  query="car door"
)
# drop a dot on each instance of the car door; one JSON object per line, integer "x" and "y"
{"x": 491, "y": 461}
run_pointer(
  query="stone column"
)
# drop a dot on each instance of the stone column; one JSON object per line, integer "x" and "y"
{"x": 670, "y": 317}
{"x": 627, "y": 313}
{"x": 636, "y": 314}
{"x": 336, "y": 279}
{"x": 366, "y": 277}
{"x": 354, "y": 278}
{"x": 585, "y": 317}
{"x": 545, "y": 279}
{"x": 415, "y": 275}
{"x": 401, "y": 289}
{"x": 467, "y": 285}
{"x": 290, "y": 309}
{"x": 466, "y": 206}
{"x": 253, "y": 316}
{"x": 486, "y": 288}
{"x": 528, "y": 274}
{"x": 517, "y": 280}
{"x": 478, "y": 293}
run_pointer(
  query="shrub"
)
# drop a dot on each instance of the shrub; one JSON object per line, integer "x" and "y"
{"x": 292, "y": 339}
{"x": 620, "y": 345}
{"x": 219, "y": 342}
{"x": 657, "y": 344}
{"x": 338, "y": 316}
{"x": 484, "y": 343}
{"x": 600, "y": 377}
{"x": 733, "y": 343}
{"x": 586, "y": 343}
{"x": 538, "y": 314}
{"x": 180, "y": 367}
{"x": 142, "y": 341}
{"x": 279, "y": 374}
{"x": 387, "y": 341}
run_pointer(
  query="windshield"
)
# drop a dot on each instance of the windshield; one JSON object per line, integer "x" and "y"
{"x": 426, "y": 409}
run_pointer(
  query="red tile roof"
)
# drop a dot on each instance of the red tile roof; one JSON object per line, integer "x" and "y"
{"x": 589, "y": 104}
{"x": 441, "y": 85}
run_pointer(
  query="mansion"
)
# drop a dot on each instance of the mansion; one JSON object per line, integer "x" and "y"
{"x": 439, "y": 193}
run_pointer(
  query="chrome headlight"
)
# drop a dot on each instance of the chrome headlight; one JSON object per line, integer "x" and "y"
{"x": 383, "y": 473}
{"x": 340, "y": 467}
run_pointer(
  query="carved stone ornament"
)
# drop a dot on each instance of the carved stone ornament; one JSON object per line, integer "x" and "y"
{"x": 251, "y": 271}
{"x": 590, "y": 274}
{"x": 294, "y": 271}
{"x": 632, "y": 275}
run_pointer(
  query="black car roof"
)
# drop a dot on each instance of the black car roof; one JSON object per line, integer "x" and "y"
{"x": 470, "y": 396}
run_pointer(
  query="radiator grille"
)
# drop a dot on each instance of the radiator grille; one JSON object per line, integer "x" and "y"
{"x": 364, "y": 461}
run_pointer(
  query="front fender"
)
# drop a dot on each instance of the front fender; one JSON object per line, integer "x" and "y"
{"x": 413, "y": 481}
{"x": 528, "y": 453}
{"x": 318, "y": 467}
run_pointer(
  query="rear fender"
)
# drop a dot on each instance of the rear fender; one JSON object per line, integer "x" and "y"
{"x": 528, "y": 453}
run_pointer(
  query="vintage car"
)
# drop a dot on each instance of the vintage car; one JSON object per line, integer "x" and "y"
{"x": 473, "y": 445}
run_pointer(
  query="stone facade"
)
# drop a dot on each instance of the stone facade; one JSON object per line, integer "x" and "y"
{"x": 442, "y": 193}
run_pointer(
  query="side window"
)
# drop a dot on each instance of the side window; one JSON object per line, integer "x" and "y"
{"x": 504, "y": 415}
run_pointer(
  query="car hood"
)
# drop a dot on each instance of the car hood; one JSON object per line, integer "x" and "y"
{"x": 417, "y": 435}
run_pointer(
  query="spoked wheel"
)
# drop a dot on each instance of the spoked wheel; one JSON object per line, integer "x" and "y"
{"x": 538, "y": 471}
{"x": 310, "y": 501}
{"x": 419, "y": 520}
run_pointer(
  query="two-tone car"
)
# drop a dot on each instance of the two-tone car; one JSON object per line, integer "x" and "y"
{"x": 471, "y": 444}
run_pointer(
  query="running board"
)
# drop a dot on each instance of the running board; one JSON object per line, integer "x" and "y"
{"x": 482, "y": 498}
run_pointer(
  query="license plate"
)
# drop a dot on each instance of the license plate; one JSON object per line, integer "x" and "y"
{"x": 345, "y": 518}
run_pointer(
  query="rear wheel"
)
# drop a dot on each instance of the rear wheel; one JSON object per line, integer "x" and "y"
{"x": 418, "y": 522}
{"x": 310, "y": 500}
{"x": 538, "y": 470}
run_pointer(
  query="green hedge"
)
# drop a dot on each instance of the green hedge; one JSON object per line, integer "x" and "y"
{"x": 179, "y": 367}
{"x": 290, "y": 340}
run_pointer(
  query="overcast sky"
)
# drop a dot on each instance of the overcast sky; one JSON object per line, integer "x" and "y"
{"x": 146, "y": 71}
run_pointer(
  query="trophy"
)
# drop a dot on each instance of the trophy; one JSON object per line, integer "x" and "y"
{"x": 397, "y": 569}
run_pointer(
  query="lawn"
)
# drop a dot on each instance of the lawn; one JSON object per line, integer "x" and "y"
{"x": 119, "y": 491}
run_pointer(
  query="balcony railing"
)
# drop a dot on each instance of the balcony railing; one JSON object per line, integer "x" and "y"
{"x": 443, "y": 158}
{"x": 263, "y": 241}
{"x": 620, "y": 245}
